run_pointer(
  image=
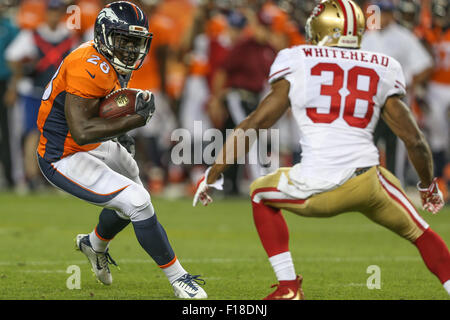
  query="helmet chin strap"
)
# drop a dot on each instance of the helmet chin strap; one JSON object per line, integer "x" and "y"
{"x": 120, "y": 66}
{"x": 323, "y": 41}
{"x": 122, "y": 72}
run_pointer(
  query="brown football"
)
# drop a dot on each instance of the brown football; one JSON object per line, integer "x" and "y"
{"x": 118, "y": 104}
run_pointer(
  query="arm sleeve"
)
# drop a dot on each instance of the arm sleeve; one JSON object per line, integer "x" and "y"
{"x": 395, "y": 80}
{"x": 282, "y": 65}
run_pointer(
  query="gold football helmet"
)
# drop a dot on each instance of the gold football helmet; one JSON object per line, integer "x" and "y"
{"x": 336, "y": 23}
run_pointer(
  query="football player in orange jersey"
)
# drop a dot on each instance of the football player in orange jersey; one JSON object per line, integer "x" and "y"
{"x": 438, "y": 94}
{"x": 76, "y": 152}
{"x": 340, "y": 169}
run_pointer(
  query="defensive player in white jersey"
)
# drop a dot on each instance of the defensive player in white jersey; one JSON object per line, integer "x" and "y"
{"x": 337, "y": 94}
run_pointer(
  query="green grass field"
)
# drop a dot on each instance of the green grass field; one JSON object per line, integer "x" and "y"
{"x": 219, "y": 242}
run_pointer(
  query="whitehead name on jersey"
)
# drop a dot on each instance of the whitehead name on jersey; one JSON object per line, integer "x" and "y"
{"x": 336, "y": 98}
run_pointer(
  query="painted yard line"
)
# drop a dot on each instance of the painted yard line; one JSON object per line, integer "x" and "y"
{"x": 352, "y": 284}
{"x": 218, "y": 260}
{"x": 43, "y": 271}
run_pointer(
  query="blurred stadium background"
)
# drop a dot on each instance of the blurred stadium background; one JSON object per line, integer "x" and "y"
{"x": 190, "y": 63}
{"x": 189, "y": 55}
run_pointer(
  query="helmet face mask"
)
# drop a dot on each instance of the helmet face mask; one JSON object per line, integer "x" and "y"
{"x": 121, "y": 35}
{"x": 128, "y": 52}
{"x": 336, "y": 23}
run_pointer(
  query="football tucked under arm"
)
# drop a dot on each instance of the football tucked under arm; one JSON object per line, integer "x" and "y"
{"x": 118, "y": 104}
{"x": 86, "y": 126}
{"x": 126, "y": 101}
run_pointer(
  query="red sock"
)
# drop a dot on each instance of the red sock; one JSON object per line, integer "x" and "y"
{"x": 272, "y": 229}
{"x": 435, "y": 254}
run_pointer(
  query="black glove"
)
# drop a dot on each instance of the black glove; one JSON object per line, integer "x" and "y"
{"x": 127, "y": 142}
{"x": 145, "y": 108}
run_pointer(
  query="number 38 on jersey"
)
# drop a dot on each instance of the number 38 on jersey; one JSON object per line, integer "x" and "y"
{"x": 336, "y": 86}
{"x": 349, "y": 103}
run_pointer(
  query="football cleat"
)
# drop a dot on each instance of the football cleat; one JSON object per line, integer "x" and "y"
{"x": 99, "y": 260}
{"x": 187, "y": 287}
{"x": 287, "y": 290}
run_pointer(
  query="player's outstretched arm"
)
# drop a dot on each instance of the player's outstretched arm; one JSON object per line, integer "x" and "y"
{"x": 400, "y": 119}
{"x": 87, "y": 127}
{"x": 271, "y": 108}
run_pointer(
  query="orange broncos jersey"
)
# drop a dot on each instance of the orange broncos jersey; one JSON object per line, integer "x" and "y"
{"x": 85, "y": 73}
{"x": 440, "y": 42}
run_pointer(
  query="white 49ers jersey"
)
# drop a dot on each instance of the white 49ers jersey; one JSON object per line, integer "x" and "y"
{"x": 336, "y": 98}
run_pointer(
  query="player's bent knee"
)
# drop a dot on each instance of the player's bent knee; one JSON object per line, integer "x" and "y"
{"x": 134, "y": 202}
{"x": 255, "y": 185}
{"x": 404, "y": 228}
{"x": 270, "y": 180}
{"x": 412, "y": 233}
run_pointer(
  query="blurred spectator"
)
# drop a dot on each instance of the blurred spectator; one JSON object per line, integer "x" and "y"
{"x": 300, "y": 11}
{"x": 8, "y": 31}
{"x": 408, "y": 13}
{"x": 285, "y": 32}
{"x": 36, "y": 55}
{"x": 438, "y": 95}
{"x": 154, "y": 140}
{"x": 400, "y": 43}
{"x": 210, "y": 46}
{"x": 189, "y": 66}
{"x": 89, "y": 10}
{"x": 31, "y": 14}
{"x": 240, "y": 82}
{"x": 181, "y": 13}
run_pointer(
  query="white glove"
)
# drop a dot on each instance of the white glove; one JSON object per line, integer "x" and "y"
{"x": 432, "y": 199}
{"x": 202, "y": 189}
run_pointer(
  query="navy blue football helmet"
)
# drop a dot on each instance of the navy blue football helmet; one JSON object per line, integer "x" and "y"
{"x": 121, "y": 34}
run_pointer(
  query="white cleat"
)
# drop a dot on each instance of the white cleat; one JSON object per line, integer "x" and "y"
{"x": 187, "y": 287}
{"x": 99, "y": 260}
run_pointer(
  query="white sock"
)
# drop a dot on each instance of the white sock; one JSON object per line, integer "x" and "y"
{"x": 174, "y": 271}
{"x": 98, "y": 244}
{"x": 447, "y": 286}
{"x": 283, "y": 266}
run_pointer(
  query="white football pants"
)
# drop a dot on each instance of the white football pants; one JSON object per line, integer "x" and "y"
{"x": 107, "y": 176}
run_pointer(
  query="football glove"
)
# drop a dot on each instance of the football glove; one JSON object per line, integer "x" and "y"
{"x": 202, "y": 189}
{"x": 128, "y": 143}
{"x": 432, "y": 199}
{"x": 145, "y": 107}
